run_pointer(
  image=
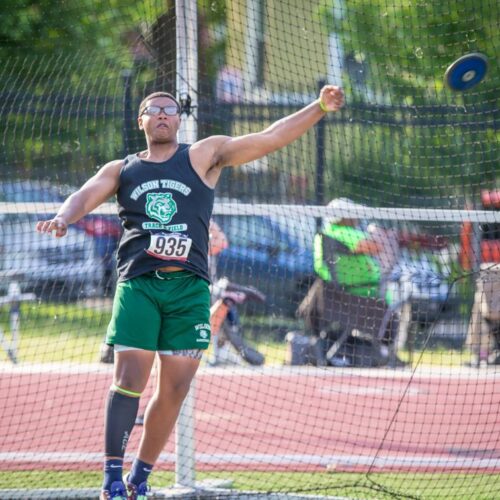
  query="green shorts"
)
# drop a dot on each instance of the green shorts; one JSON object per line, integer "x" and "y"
{"x": 169, "y": 314}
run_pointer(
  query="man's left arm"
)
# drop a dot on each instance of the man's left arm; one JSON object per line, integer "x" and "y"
{"x": 222, "y": 151}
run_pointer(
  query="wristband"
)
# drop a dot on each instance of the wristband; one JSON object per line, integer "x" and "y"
{"x": 322, "y": 106}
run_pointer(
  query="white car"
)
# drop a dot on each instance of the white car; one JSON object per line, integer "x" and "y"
{"x": 57, "y": 268}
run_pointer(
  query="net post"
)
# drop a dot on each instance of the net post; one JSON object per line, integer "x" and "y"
{"x": 476, "y": 247}
{"x": 320, "y": 160}
{"x": 128, "y": 119}
{"x": 254, "y": 44}
{"x": 335, "y": 48}
{"x": 186, "y": 85}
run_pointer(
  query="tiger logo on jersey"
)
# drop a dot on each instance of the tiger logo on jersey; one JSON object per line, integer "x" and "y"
{"x": 161, "y": 207}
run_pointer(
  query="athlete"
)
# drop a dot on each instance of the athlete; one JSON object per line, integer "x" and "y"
{"x": 161, "y": 308}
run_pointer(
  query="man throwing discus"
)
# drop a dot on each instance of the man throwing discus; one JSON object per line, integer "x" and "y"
{"x": 165, "y": 197}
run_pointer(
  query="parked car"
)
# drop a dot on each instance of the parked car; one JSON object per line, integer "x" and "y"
{"x": 272, "y": 254}
{"x": 80, "y": 264}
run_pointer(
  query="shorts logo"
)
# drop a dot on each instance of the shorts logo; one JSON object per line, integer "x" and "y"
{"x": 203, "y": 331}
{"x": 160, "y": 206}
{"x": 204, "y": 336}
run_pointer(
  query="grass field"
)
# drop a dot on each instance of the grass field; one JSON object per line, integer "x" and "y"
{"x": 58, "y": 332}
{"x": 54, "y": 332}
{"x": 351, "y": 485}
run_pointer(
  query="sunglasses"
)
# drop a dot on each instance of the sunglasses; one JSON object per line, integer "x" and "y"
{"x": 170, "y": 110}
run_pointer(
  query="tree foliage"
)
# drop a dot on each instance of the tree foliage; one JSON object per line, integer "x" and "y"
{"x": 421, "y": 143}
{"x": 64, "y": 76}
{"x": 408, "y": 44}
{"x": 38, "y": 27}
{"x": 63, "y": 86}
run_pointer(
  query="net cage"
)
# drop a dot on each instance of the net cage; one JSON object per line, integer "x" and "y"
{"x": 358, "y": 351}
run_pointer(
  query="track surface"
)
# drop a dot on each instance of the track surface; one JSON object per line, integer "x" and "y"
{"x": 276, "y": 418}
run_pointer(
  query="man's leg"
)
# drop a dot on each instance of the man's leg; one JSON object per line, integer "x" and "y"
{"x": 132, "y": 369}
{"x": 175, "y": 374}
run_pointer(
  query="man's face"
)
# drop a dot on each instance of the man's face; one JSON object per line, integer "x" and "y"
{"x": 160, "y": 120}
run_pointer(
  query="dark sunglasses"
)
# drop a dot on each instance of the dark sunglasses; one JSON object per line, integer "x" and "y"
{"x": 170, "y": 110}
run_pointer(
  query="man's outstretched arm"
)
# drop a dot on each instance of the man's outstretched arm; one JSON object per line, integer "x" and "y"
{"x": 221, "y": 151}
{"x": 93, "y": 193}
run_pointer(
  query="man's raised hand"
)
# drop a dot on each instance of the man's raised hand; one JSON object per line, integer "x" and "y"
{"x": 331, "y": 98}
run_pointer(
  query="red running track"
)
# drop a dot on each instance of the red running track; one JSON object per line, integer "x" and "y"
{"x": 271, "y": 419}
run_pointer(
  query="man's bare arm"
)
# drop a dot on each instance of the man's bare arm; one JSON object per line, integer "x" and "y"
{"x": 93, "y": 193}
{"x": 221, "y": 151}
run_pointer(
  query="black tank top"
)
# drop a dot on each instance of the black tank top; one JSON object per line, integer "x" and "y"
{"x": 165, "y": 210}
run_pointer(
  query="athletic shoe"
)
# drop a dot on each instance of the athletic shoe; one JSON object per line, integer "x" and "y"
{"x": 137, "y": 492}
{"x": 116, "y": 492}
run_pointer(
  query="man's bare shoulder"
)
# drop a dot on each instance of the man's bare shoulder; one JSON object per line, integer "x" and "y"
{"x": 205, "y": 150}
{"x": 115, "y": 163}
{"x": 205, "y": 158}
{"x": 210, "y": 141}
{"x": 113, "y": 167}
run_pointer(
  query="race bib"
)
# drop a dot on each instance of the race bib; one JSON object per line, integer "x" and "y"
{"x": 169, "y": 246}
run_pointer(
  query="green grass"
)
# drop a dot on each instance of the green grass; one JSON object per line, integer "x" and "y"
{"x": 58, "y": 332}
{"x": 351, "y": 485}
{"x": 53, "y": 332}
{"x": 40, "y": 318}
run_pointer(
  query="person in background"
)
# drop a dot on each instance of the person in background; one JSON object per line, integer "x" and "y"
{"x": 360, "y": 262}
{"x": 352, "y": 251}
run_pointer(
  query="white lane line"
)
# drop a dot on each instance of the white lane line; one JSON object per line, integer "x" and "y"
{"x": 412, "y": 461}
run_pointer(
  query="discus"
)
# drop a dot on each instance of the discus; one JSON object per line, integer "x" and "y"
{"x": 467, "y": 71}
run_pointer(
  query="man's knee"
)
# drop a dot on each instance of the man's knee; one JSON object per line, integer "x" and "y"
{"x": 177, "y": 388}
{"x": 180, "y": 388}
{"x": 133, "y": 368}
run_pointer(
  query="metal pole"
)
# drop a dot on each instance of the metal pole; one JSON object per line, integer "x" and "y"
{"x": 186, "y": 85}
{"x": 320, "y": 162}
{"x": 254, "y": 43}
{"x": 128, "y": 113}
{"x": 335, "y": 49}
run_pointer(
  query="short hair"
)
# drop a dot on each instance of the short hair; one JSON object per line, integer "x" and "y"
{"x": 158, "y": 94}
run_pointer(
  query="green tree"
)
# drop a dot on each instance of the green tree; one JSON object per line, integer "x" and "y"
{"x": 426, "y": 145}
{"x": 63, "y": 77}
{"x": 407, "y": 45}
{"x": 43, "y": 27}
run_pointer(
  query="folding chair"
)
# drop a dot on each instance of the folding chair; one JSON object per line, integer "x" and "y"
{"x": 368, "y": 318}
